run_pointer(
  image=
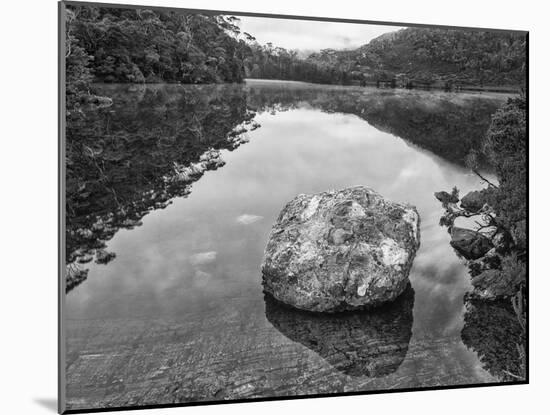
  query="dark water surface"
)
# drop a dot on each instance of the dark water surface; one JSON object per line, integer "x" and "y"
{"x": 179, "y": 314}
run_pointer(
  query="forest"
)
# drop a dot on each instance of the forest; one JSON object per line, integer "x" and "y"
{"x": 432, "y": 56}
{"x": 144, "y": 46}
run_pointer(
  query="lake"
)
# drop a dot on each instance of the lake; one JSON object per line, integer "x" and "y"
{"x": 179, "y": 314}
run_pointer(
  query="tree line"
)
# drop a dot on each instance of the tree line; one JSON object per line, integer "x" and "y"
{"x": 137, "y": 46}
{"x": 140, "y": 45}
{"x": 272, "y": 62}
{"x": 468, "y": 57}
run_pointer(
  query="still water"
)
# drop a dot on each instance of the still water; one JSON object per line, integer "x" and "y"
{"x": 179, "y": 314}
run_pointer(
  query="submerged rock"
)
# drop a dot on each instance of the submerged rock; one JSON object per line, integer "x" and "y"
{"x": 85, "y": 258}
{"x": 74, "y": 275}
{"x": 97, "y": 100}
{"x": 370, "y": 343}
{"x": 209, "y": 160}
{"x": 340, "y": 250}
{"x": 470, "y": 244}
{"x": 104, "y": 257}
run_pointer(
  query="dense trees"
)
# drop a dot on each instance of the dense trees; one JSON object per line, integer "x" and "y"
{"x": 500, "y": 275}
{"x": 269, "y": 62}
{"x": 77, "y": 60}
{"x": 140, "y": 45}
{"x": 437, "y": 55}
{"x": 117, "y": 45}
{"x": 506, "y": 148}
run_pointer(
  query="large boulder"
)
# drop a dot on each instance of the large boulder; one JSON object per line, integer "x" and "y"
{"x": 470, "y": 244}
{"x": 340, "y": 250}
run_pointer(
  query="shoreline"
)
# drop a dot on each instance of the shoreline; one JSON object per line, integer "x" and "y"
{"x": 370, "y": 85}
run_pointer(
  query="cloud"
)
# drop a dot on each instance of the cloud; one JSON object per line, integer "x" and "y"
{"x": 203, "y": 258}
{"x": 247, "y": 219}
{"x": 311, "y": 35}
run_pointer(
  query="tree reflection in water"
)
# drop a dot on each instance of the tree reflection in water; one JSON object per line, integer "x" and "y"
{"x": 135, "y": 156}
{"x": 447, "y": 124}
{"x": 492, "y": 330}
{"x": 126, "y": 160}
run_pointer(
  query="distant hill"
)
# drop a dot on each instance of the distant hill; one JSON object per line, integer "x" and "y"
{"x": 140, "y": 45}
{"x": 459, "y": 57}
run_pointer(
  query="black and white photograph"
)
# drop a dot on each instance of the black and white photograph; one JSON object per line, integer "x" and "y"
{"x": 262, "y": 207}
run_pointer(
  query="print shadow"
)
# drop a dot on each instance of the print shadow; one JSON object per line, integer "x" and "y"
{"x": 48, "y": 403}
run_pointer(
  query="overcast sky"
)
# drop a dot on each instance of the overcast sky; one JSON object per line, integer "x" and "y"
{"x": 311, "y": 35}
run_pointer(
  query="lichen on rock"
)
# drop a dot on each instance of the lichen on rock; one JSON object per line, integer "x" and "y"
{"x": 340, "y": 250}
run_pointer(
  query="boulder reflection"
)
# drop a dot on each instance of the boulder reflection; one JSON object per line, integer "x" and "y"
{"x": 370, "y": 343}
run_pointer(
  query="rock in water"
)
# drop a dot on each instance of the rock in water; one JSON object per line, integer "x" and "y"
{"x": 470, "y": 244}
{"x": 340, "y": 250}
